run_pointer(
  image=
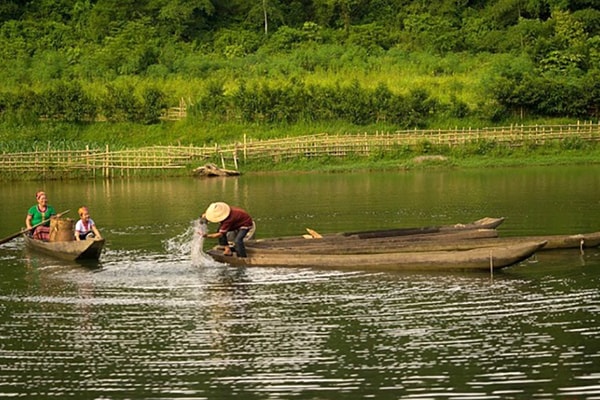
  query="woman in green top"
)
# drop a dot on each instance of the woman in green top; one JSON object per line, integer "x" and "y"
{"x": 38, "y": 213}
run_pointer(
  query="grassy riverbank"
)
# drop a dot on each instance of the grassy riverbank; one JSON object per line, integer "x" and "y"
{"x": 15, "y": 136}
{"x": 492, "y": 152}
{"x": 460, "y": 158}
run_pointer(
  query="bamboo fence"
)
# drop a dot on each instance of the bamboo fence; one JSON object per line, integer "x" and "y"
{"x": 110, "y": 163}
{"x": 176, "y": 113}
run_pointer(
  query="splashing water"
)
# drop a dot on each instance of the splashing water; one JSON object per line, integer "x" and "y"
{"x": 181, "y": 244}
{"x": 198, "y": 255}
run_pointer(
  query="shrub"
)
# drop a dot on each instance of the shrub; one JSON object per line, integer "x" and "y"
{"x": 573, "y": 143}
{"x": 120, "y": 104}
{"x": 66, "y": 102}
{"x": 20, "y": 108}
{"x": 152, "y": 105}
{"x": 236, "y": 43}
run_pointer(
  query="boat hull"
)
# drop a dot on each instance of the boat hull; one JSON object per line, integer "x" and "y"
{"x": 553, "y": 242}
{"x": 72, "y": 250}
{"x": 487, "y": 223}
{"x": 483, "y": 259}
{"x": 453, "y": 242}
{"x": 354, "y": 245}
{"x": 483, "y": 223}
{"x": 581, "y": 241}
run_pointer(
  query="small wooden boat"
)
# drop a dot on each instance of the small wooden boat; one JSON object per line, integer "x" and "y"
{"x": 484, "y": 258}
{"x": 72, "y": 250}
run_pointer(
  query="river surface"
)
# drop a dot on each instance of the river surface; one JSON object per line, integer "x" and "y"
{"x": 157, "y": 319}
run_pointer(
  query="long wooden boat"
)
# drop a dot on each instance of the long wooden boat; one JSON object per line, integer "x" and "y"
{"x": 474, "y": 229}
{"x": 374, "y": 245}
{"x": 457, "y": 241}
{"x": 484, "y": 258}
{"x": 72, "y": 250}
{"x": 580, "y": 240}
{"x": 483, "y": 223}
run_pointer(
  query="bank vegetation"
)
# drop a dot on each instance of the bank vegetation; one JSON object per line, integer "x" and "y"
{"x": 398, "y": 150}
{"x": 83, "y": 74}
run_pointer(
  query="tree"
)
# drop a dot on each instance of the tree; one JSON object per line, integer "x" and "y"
{"x": 568, "y": 47}
{"x": 11, "y": 9}
{"x": 53, "y": 10}
{"x": 345, "y": 10}
{"x": 183, "y": 18}
{"x": 591, "y": 83}
{"x": 504, "y": 13}
{"x": 131, "y": 50}
{"x": 262, "y": 10}
{"x": 433, "y": 32}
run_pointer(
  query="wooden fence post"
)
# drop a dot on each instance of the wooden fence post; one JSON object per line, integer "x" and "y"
{"x": 48, "y": 160}
{"x": 106, "y": 161}
{"x": 222, "y": 158}
{"x": 235, "y": 150}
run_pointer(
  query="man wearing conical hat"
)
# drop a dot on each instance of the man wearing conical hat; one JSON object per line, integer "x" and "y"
{"x": 230, "y": 219}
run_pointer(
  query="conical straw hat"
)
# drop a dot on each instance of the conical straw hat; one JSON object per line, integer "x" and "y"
{"x": 217, "y": 212}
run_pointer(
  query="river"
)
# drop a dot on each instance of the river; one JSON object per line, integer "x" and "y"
{"x": 156, "y": 319}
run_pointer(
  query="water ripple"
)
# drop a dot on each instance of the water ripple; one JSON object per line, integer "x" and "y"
{"x": 158, "y": 326}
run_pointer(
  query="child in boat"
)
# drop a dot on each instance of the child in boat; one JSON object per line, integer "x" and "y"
{"x": 85, "y": 228}
{"x": 37, "y": 214}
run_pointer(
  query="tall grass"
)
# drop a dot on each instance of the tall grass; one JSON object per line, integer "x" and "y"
{"x": 458, "y": 75}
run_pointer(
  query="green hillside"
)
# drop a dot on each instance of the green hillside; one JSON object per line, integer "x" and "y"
{"x": 94, "y": 72}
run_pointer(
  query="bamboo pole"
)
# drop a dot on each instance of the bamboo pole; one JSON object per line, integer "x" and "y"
{"x": 106, "y": 161}
{"x": 235, "y": 150}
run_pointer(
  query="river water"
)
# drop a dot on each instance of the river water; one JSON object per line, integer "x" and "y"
{"x": 156, "y": 319}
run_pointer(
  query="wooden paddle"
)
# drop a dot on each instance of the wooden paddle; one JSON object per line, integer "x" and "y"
{"x": 11, "y": 237}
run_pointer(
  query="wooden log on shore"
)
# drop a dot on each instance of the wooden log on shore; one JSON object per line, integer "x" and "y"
{"x": 211, "y": 170}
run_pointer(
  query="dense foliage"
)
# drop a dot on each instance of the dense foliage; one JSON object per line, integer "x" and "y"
{"x": 298, "y": 61}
